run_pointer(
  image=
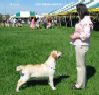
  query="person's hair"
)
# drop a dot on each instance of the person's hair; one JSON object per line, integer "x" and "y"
{"x": 82, "y": 10}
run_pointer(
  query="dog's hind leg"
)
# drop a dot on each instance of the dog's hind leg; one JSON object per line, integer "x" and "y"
{"x": 21, "y": 81}
{"x": 51, "y": 82}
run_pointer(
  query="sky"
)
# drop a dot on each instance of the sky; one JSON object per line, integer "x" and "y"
{"x": 40, "y": 6}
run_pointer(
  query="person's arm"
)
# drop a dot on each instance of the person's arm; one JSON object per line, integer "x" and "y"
{"x": 86, "y": 32}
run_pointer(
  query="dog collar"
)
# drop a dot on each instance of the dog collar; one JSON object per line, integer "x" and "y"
{"x": 51, "y": 67}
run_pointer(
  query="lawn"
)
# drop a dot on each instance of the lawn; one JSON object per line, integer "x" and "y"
{"x": 21, "y": 45}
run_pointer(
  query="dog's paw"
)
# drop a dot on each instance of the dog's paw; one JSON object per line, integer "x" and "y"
{"x": 54, "y": 88}
{"x": 17, "y": 90}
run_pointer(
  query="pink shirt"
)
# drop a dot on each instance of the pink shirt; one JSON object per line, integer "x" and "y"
{"x": 33, "y": 23}
{"x": 83, "y": 28}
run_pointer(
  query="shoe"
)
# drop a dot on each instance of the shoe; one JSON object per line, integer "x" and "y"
{"x": 75, "y": 88}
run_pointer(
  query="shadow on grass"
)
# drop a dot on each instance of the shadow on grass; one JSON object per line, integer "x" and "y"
{"x": 35, "y": 82}
{"x": 90, "y": 71}
{"x": 58, "y": 79}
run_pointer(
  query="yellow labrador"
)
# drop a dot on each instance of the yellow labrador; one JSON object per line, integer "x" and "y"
{"x": 41, "y": 70}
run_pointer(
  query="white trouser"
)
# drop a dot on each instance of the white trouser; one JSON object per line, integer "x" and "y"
{"x": 80, "y": 64}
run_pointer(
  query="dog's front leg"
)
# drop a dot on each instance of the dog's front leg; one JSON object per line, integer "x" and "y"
{"x": 51, "y": 82}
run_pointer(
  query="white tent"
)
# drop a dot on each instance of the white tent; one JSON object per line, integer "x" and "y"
{"x": 25, "y": 14}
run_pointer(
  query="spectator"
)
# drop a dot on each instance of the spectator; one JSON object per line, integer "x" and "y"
{"x": 33, "y": 23}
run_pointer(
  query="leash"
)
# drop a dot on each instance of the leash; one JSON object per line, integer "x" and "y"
{"x": 70, "y": 53}
{"x": 60, "y": 74}
{"x": 69, "y": 60}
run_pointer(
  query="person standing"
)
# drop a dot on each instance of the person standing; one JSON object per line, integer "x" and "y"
{"x": 33, "y": 23}
{"x": 81, "y": 40}
{"x": 45, "y": 22}
{"x": 49, "y": 24}
{"x": 38, "y": 23}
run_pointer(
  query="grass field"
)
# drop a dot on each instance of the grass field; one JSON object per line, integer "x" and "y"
{"x": 21, "y": 45}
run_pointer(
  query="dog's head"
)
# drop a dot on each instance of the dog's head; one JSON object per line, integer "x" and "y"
{"x": 56, "y": 54}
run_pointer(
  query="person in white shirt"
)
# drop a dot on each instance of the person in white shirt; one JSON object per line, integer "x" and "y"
{"x": 81, "y": 40}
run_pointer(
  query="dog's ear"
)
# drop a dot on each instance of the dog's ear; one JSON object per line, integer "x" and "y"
{"x": 54, "y": 55}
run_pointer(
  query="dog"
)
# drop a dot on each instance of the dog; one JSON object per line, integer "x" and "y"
{"x": 39, "y": 71}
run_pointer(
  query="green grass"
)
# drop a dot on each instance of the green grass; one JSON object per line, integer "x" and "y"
{"x": 21, "y": 45}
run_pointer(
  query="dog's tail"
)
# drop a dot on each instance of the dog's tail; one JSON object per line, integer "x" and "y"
{"x": 20, "y": 68}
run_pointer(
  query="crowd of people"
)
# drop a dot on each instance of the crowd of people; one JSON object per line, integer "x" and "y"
{"x": 37, "y": 22}
{"x": 11, "y": 22}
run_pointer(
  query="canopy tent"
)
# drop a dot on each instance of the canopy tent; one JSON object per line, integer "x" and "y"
{"x": 25, "y": 14}
{"x": 89, "y": 9}
{"x": 91, "y": 4}
{"x": 94, "y": 10}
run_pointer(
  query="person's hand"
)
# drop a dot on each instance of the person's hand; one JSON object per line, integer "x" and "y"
{"x": 72, "y": 37}
{"x": 75, "y": 36}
